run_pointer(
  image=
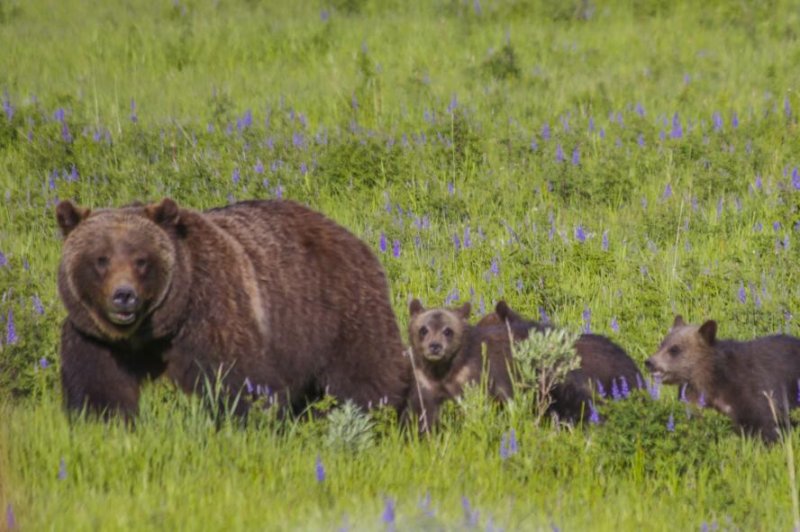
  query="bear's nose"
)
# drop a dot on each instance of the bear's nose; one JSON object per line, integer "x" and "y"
{"x": 649, "y": 365}
{"x": 124, "y": 298}
{"x": 435, "y": 348}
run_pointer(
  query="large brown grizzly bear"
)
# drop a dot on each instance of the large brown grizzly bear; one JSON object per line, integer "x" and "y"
{"x": 448, "y": 354}
{"x": 733, "y": 377}
{"x": 270, "y": 295}
{"x": 605, "y": 367}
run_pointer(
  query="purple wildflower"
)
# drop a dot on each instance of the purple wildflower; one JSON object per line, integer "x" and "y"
{"x": 735, "y": 120}
{"x": 671, "y": 423}
{"x": 470, "y": 515}
{"x": 787, "y": 108}
{"x": 467, "y": 237}
{"x": 639, "y": 383}
{"x": 512, "y": 442}
{"x": 594, "y": 415}
{"x": 677, "y": 129}
{"x": 134, "y": 116}
{"x": 59, "y": 115}
{"x": 795, "y": 178}
{"x": 614, "y": 324}
{"x": 259, "y": 167}
{"x": 576, "y": 156}
{"x": 654, "y": 388}
{"x": 456, "y": 242}
{"x": 591, "y": 123}
{"x": 320, "y": 470}
{"x": 8, "y": 108}
{"x": 495, "y": 267}
{"x": 303, "y": 168}
{"x": 701, "y": 400}
{"x": 236, "y": 176}
{"x": 546, "y": 132}
{"x": 453, "y": 104}
{"x": 11, "y": 521}
{"x": 639, "y": 109}
{"x": 604, "y": 243}
{"x": 298, "y": 141}
{"x": 587, "y": 320}
{"x": 65, "y": 134}
{"x": 615, "y": 393}
{"x": 62, "y": 470}
{"x": 534, "y": 145}
{"x": 44, "y": 363}
{"x": 396, "y": 249}
{"x": 580, "y": 234}
{"x": 741, "y": 293}
{"x": 482, "y": 307}
{"x": 3, "y": 260}
{"x": 682, "y": 393}
{"x": 623, "y": 386}
{"x": 388, "y": 512}
{"x": 559, "y": 154}
{"x": 716, "y": 118}
{"x": 640, "y": 140}
{"x": 667, "y": 191}
{"x": 382, "y": 243}
{"x": 543, "y": 315}
{"x": 11, "y": 329}
{"x": 451, "y": 188}
{"x": 601, "y": 390}
{"x": 476, "y": 5}
{"x": 519, "y": 285}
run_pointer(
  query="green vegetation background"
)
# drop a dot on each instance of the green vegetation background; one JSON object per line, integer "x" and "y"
{"x": 606, "y": 163}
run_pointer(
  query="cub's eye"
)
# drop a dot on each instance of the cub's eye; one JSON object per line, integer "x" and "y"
{"x": 423, "y": 331}
{"x": 141, "y": 264}
{"x": 448, "y": 332}
{"x": 674, "y": 350}
{"x": 101, "y": 263}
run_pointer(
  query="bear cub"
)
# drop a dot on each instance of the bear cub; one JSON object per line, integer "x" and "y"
{"x": 448, "y": 354}
{"x": 744, "y": 380}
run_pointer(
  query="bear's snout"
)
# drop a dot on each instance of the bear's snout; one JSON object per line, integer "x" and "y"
{"x": 125, "y": 298}
{"x": 435, "y": 348}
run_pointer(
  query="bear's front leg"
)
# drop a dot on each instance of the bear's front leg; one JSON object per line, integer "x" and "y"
{"x": 92, "y": 378}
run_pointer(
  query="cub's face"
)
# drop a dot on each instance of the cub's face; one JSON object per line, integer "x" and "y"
{"x": 683, "y": 350}
{"x": 117, "y": 263}
{"x": 437, "y": 334}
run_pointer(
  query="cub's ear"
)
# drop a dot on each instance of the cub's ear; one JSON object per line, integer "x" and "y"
{"x": 166, "y": 213}
{"x": 708, "y": 331}
{"x": 464, "y": 310}
{"x": 69, "y": 215}
{"x": 415, "y": 307}
{"x": 678, "y": 321}
{"x": 502, "y": 309}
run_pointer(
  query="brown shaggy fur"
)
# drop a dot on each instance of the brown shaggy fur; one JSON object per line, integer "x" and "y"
{"x": 269, "y": 294}
{"x": 733, "y": 377}
{"x": 448, "y": 354}
{"x": 603, "y": 364}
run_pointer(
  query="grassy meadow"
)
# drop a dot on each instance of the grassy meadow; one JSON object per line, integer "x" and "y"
{"x": 603, "y": 165}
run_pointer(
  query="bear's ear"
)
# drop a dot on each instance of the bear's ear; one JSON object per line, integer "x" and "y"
{"x": 69, "y": 215}
{"x": 678, "y": 321}
{"x": 502, "y": 309}
{"x": 166, "y": 214}
{"x": 415, "y": 307}
{"x": 464, "y": 310}
{"x": 708, "y": 331}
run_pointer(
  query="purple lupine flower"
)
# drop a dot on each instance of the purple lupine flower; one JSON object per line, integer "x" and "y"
{"x": 787, "y": 108}
{"x": 798, "y": 391}
{"x": 59, "y": 115}
{"x": 65, "y": 134}
{"x": 716, "y": 118}
{"x": 654, "y": 388}
{"x": 388, "y": 512}
{"x": 594, "y": 415}
{"x": 591, "y": 123}
{"x": 62, "y": 470}
{"x": 639, "y": 109}
{"x": 8, "y": 108}
{"x": 735, "y": 120}
{"x": 456, "y": 242}
{"x": 741, "y": 293}
{"x": 576, "y": 156}
{"x": 559, "y": 154}
{"x": 639, "y": 383}
{"x": 580, "y": 234}
{"x": 671, "y": 423}
{"x": 682, "y": 394}
{"x": 470, "y": 515}
{"x": 614, "y": 324}
{"x": 235, "y": 176}
{"x": 776, "y": 226}
{"x": 604, "y": 243}
{"x": 587, "y": 320}
{"x": 677, "y": 129}
{"x": 512, "y": 442}
{"x": 701, "y": 400}
{"x": 759, "y": 183}
{"x": 451, "y": 188}
{"x": 601, "y": 390}
{"x": 303, "y": 168}
{"x": 543, "y": 315}
{"x": 248, "y": 386}
{"x": 134, "y": 116}
{"x": 795, "y": 178}
{"x": 382, "y": 243}
{"x": 396, "y": 249}
{"x": 453, "y": 104}
{"x": 3, "y": 260}
{"x": 546, "y": 132}
{"x": 467, "y": 237}
{"x": 11, "y": 521}
{"x": 602, "y": 133}
{"x": 720, "y": 204}
{"x": 324, "y": 15}
{"x": 615, "y": 393}
{"x": 495, "y": 267}
{"x": 319, "y": 470}
{"x": 640, "y": 140}
{"x": 667, "y": 191}
{"x": 519, "y": 286}
{"x": 11, "y": 329}
{"x": 482, "y": 307}
{"x": 73, "y": 174}
{"x": 786, "y": 241}
{"x": 44, "y": 363}
{"x": 298, "y": 141}
{"x": 476, "y": 5}
{"x": 534, "y": 145}
{"x": 259, "y": 167}
{"x": 623, "y": 387}
{"x": 504, "y": 454}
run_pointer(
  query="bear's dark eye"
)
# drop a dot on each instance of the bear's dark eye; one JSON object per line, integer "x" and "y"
{"x": 674, "y": 350}
{"x": 141, "y": 265}
{"x": 101, "y": 263}
{"x": 423, "y": 331}
{"x": 448, "y": 332}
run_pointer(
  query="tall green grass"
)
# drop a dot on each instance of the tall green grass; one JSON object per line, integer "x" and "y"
{"x": 419, "y": 122}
